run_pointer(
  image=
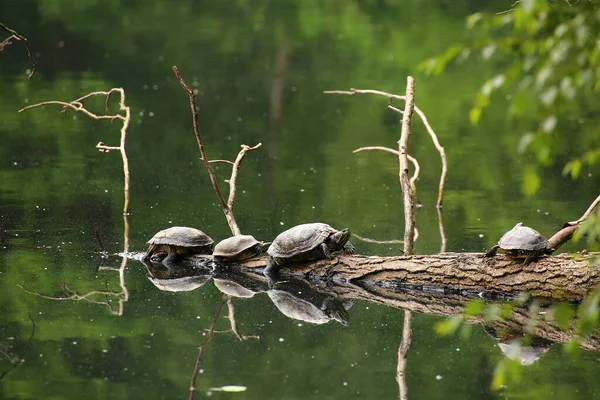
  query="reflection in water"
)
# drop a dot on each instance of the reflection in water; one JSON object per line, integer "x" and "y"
{"x": 299, "y": 300}
{"x": 178, "y": 278}
{"x": 239, "y": 284}
{"x": 103, "y": 297}
{"x": 518, "y": 346}
{"x": 402, "y": 355}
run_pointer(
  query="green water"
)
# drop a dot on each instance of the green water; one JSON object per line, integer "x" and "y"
{"x": 247, "y": 60}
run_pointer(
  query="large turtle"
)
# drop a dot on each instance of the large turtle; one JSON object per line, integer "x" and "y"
{"x": 178, "y": 240}
{"x": 522, "y": 242}
{"x": 306, "y": 242}
{"x": 239, "y": 248}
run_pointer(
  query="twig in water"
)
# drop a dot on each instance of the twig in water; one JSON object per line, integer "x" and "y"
{"x": 413, "y": 160}
{"x": 408, "y": 199}
{"x": 209, "y": 335}
{"x": 97, "y": 235}
{"x": 77, "y": 105}
{"x": 402, "y": 355}
{"x": 369, "y": 240}
{"x": 17, "y": 36}
{"x": 73, "y": 295}
{"x": 20, "y": 360}
{"x": 428, "y": 127}
{"x": 587, "y": 212}
{"x": 443, "y": 239}
{"x": 226, "y": 205}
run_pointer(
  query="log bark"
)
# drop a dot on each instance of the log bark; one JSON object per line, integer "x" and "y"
{"x": 562, "y": 277}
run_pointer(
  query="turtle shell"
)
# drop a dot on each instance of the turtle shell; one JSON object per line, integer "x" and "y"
{"x": 299, "y": 239}
{"x": 235, "y": 245}
{"x": 182, "y": 236}
{"x": 523, "y": 238}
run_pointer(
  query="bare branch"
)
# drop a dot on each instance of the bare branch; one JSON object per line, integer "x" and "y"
{"x": 391, "y": 107}
{"x": 227, "y": 206}
{"x": 382, "y": 148}
{"x": 18, "y": 36}
{"x": 233, "y": 179}
{"x": 443, "y": 239}
{"x": 77, "y": 105}
{"x": 395, "y": 152}
{"x": 587, "y": 212}
{"x": 203, "y": 158}
{"x": 369, "y": 240}
{"x": 221, "y": 161}
{"x": 428, "y": 127}
{"x": 407, "y": 193}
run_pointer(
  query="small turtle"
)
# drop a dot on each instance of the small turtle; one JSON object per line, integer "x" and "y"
{"x": 178, "y": 240}
{"x": 522, "y": 242}
{"x": 307, "y": 242}
{"x": 239, "y": 248}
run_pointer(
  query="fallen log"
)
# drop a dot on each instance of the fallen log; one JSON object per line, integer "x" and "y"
{"x": 440, "y": 285}
{"x": 561, "y": 277}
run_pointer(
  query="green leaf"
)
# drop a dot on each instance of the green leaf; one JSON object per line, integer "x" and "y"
{"x": 573, "y": 168}
{"x": 448, "y": 326}
{"x": 572, "y": 346}
{"x": 474, "y": 308}
{"x": 473, "y": 19}
{"x": 531, "y": 180}
{"x": 562, "y": 314}
{"x": 525, "y": 141}
{"x": 474, "y": 115}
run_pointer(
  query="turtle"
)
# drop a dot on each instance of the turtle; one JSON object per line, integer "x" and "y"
{"x": 522, "y": 242}
{"x": 178, "y": 240}
{"x": 239, "y": 248}
{"x": 307, "y": 242}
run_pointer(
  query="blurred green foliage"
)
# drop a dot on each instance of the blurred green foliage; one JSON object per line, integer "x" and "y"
{"x": 548, "y": 75}
{"x": 56, "y": 188}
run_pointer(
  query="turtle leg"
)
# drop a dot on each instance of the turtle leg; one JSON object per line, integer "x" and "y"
{"x": 326, "y": 251}
{"x": 271, "y": 272}
{"x": 492, "y": 252}
{"x": 349, "y": 248}
{"x": 532, "y": 256}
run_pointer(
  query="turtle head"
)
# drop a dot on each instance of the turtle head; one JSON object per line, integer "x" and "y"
{"x": 340, "y": 238}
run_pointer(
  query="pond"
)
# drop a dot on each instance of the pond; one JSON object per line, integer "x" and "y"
{"x": 78, "y": 323}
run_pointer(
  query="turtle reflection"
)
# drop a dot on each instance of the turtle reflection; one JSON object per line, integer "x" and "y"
{"x": 299, "y": 300}
{"x": 238, "y": 284}
{"x": 183, "y": 278}
{"x": 518, "y": 346}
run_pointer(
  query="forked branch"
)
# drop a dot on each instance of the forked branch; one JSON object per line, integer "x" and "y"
{"x": 226, "y": 205}
{"x": 77, "y": 105}
{"x": 413, "y": 160}
{"x": 15, "y": 35}
{"x": 428, "y": 127}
